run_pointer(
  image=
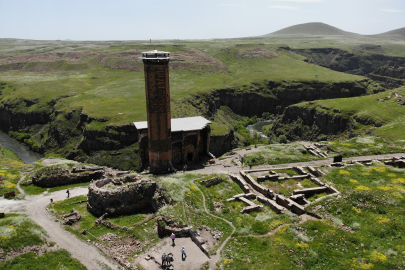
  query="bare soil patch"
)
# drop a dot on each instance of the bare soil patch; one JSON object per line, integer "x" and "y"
{"x": 194, "y": 260}
{"x": 256, "y": 53}
{"x": 50, "y": 161}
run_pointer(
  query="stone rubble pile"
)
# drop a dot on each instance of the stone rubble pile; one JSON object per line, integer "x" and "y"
{"x": 72, "y": 217}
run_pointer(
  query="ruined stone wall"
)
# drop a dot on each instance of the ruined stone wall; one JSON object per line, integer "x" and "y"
{"x": 128, "y": 198}
{"x": 65, "y": 177}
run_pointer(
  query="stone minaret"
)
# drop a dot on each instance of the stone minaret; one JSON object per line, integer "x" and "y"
{"x": 156, "y": 64}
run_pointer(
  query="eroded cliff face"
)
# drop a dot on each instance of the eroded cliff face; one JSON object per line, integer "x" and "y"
{"x": 389, "y": 76}
{"x": 312, "y": 123}
{"x": 273, "y": 97}
{"x": 360, "y": 63}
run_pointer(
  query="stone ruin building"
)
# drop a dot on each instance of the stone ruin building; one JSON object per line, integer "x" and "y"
{"x": 165, "y": 142}
{"x": 124, "y": 195}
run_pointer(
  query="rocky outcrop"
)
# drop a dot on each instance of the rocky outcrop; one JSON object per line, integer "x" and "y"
{"x": 54, "y": 176}
{"x": 390, "y": 77}
{"x": 12, "y": 119}
{"x": 344, "y": 61}
{"x": 311, "y": 123}
{"x": 273, "y": 97}
{"x": 112, "y": 138}
{"x": 391, "y": 71}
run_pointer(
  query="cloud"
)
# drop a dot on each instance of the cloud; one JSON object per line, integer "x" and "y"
{"x": 283, "y": 7}
{"x": 301, "y": 1}
{"x": 393, "y": 10}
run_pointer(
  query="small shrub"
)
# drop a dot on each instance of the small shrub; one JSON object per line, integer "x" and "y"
{"x": 282, "y": 139}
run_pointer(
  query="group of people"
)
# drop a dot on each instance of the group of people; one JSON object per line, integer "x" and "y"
{"x": 183, "y": 251}
{"x": 168, "y": 258}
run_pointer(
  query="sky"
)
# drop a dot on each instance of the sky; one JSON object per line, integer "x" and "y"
{"x": 189, "y": 19}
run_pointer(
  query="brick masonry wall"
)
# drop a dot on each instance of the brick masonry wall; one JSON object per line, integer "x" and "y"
{"x": 158, "y": 114}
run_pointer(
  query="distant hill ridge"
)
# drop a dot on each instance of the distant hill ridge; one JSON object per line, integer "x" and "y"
{"x": 397, "y": 33}
{"x": 323, "y": 29}
{"x": 313, "y": 28}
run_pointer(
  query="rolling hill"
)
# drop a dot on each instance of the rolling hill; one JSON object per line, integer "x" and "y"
{"x": 394, "y": 34}
{"x": 312, "y": 29}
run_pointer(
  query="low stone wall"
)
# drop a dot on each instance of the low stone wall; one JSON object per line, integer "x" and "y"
{"x": 211, "y": 181}
{"x": 270, "y": 177}
{"x": 300, "y": 199}
{"x": 265, "y": 191}
{"x": 273, "y": 205}
{"x": 129, "y": 198}
{"x": 310, "y": 191}
{"x": 315, "y": 172}
{"x": 295, "y": 177}
{"x": 300, "y": 170}
{"x": 316, "y": 181}
{"x": 290, "y": 205}
{"x": 242, "y": 184}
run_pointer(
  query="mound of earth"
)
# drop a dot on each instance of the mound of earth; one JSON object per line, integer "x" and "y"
{"x": 312, "y": 29}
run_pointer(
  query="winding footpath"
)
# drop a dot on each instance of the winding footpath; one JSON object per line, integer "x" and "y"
{"x": 217, "y": 256}
{"x": 36, "y": 208}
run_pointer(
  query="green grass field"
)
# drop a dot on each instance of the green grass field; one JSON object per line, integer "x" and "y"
{"x": 19, "y": 231}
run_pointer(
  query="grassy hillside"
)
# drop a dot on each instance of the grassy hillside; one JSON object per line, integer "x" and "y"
{"x": 314, "y": 28}
{"x": 108, "y": 89}
{"x": 381, "y": 114}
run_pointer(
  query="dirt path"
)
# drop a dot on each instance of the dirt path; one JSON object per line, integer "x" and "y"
{"x": 215, "y": 258}
{"x": 35, "y": 208}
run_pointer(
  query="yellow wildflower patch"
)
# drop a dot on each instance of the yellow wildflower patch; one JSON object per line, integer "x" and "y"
{"x": 361, "y": 265}
{"x": 193, "y": 187}
{"x": 383, "y": 220}
{"x": 302, "y": 245}
{"x": 391, "y": 175}
{"x": 363, "y": 188}
{"x": 398, "y": 180}
{"x": 384, "y": 188}
{"x": 377, "y": 256}
{"x": 357, "y": 210}
{"x": 284, "y": 229}
{"x": 343, "y": 172}
{"x": 9, "y": 185}
{"x": 398, "y": 195}
{"x": 353, "y": 181}
{"x": 380, "y": 169}
{"x": 398, "y": 188}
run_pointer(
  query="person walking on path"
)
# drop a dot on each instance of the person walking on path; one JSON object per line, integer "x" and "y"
{"x": 68, "y": 193}
{"x": 173, "y": 236}
{"x": 183, "y": 254}
{"x": 164, "y": 259}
